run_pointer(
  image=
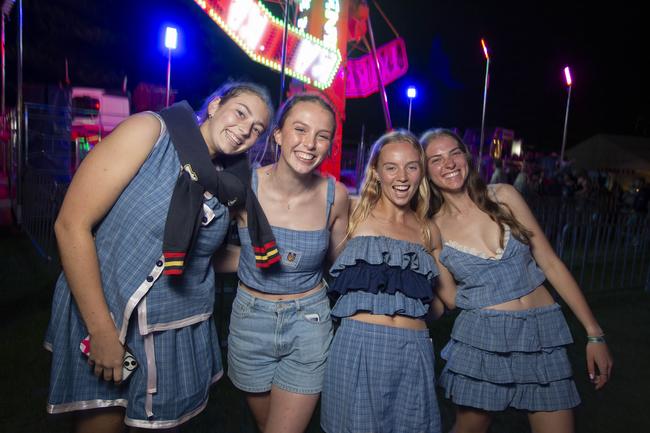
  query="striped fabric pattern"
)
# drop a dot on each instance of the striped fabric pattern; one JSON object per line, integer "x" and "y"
{"x": 174, "y": 263}
{"x": 266, "y": 255}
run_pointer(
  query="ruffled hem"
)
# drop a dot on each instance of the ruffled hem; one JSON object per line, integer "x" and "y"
{"x": 501, "y": 331}
{"x": 382, "y": 278}
{"x": 465, "y": 391}
{"x": 377, "y": 250}
{"x": 543, "y": 367}
{"x": 379, "y": 303}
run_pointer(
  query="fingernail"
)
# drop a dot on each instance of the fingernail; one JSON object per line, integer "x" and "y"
{"x": 591, "y": 376}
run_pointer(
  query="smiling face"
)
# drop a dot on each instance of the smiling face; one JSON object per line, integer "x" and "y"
{"x": 447, "y": 165}
{"x": 399, "y": 172}
{"x": 305, "y": 136}
{"x": 234, "y": 126}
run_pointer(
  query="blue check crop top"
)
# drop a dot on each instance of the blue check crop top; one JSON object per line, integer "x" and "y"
{"x": 302, "y": 255}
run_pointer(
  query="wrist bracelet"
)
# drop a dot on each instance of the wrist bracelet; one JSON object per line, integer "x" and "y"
{"x": 596, "y": 339}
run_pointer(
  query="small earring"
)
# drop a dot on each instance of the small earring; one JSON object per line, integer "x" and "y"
{"x": 210, "y": 115}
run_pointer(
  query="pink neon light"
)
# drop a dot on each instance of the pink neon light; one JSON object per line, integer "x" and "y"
{"x": 567, "y": 75}
{"x": 485, "y": 51}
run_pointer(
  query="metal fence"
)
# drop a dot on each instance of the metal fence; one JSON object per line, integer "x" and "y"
{"x": 39, "y": 172}
{"x": 604, "y": 245}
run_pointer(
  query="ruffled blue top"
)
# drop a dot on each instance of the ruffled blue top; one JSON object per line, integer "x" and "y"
{"x": 382, "y": 275}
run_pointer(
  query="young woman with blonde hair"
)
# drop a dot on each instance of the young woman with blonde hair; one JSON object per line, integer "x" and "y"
{"x": 379, "y": 375}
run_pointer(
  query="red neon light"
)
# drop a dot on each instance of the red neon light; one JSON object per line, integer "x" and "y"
{"x": 259, "y": 34}
{"x": 485, "y": 50}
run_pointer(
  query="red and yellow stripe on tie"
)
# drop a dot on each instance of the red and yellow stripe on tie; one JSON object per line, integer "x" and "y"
{"x": 266, "y": 255}
{"x": 174, "y": 263}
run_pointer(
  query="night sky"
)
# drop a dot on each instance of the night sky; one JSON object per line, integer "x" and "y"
{"x": 530, "y": 43}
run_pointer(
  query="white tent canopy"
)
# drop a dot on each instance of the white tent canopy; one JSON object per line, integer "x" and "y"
{"x": 612, "y": 153}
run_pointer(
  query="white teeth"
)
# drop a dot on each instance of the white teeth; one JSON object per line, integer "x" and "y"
{"x": 452, "y": 174}
{"x": 305, "y": 156}
{"x": 402, "y": 188}
{"x": 234, "y": 138}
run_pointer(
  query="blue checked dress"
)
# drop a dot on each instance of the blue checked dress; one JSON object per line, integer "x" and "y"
{"x": 498, "y": 359}
{"x": 381, "y": 378}
{"x": 165, "y": 321}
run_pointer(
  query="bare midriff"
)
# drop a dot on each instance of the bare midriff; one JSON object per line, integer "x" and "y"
{"x": 396, "y": 321}
{"x": 280, "y": 297}
{"x": 540, "y": 297}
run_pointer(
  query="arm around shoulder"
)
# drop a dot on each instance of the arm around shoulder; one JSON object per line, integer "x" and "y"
{"x": 446, "y": 287}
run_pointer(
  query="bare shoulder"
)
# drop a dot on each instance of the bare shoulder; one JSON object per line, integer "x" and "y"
{"x": 144, "y": 125}
{"x": 436, "y": 237}
{"x": 126, "y": 147}
{"x": 341, "y": 195}
{"x": 433, "y": 227}
{"x": 507, "y": 194}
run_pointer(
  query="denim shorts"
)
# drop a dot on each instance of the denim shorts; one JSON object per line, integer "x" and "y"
{"x": 281, "y": 343}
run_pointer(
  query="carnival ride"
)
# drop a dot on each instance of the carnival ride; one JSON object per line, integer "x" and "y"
{"x": 323, "y": 45}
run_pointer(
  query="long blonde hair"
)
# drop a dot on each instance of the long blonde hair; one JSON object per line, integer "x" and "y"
{"x": 371, "y": 189}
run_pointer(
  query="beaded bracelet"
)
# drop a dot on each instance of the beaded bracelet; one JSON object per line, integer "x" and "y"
{"x": 596, "y": 338}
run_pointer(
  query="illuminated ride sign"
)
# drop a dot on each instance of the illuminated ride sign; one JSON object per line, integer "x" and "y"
{"x": 252, "y": 26}
{"x": 361, "y": 73}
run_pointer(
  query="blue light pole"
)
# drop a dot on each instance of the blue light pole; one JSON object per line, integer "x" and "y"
{"x": 171, "y": 40}
{"x": 411, "y": 93}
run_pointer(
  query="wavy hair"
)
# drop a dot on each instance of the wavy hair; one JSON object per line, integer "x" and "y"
{"x": 476, "y": 189}
{"x": 371, "y": 188}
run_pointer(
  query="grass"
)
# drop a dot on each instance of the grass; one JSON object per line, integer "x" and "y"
{"x": 27, "y": 282}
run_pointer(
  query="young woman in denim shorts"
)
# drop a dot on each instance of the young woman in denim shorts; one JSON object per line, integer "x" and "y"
{"x": 118, "y": 288}
{"x": 280, "y": 329}
{"x": 507, "y": 347}
{"x": 379, "y": 376}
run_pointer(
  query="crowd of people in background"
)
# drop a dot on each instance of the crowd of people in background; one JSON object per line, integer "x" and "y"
{"x": 538, "y": 175}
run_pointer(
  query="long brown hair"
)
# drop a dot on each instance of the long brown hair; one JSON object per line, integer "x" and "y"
{"x": 371, "y": 189}
{"x": 476, "y": 189}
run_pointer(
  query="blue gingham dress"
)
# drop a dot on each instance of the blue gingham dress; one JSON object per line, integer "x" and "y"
{"x": 381, "y": 378}
{"x": 165, "y": 321}
{"x": 498, "y": 359}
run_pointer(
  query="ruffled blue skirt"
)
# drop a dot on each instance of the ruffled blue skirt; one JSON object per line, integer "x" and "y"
{"x": 498, "y": 359}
